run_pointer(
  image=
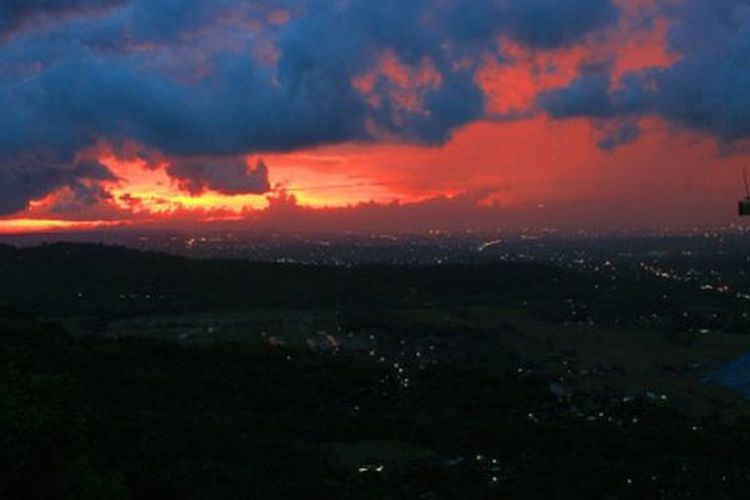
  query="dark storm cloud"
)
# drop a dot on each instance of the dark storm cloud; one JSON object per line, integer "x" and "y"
{"x": 587, "y": 96}
{"x": 14, "y": 13}
{"x": 225, "y": 78}
{"x": 225, "y": 175}
{"x": 80, "y": 196}
{"x": 623, "y": 134}
{"x": 546, "y": 24}
{"x": 32, "y": 177}
{"x": 707, "y": 88}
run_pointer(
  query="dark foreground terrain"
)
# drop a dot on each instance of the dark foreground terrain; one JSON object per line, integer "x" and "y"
{"x": 141, "y": 375}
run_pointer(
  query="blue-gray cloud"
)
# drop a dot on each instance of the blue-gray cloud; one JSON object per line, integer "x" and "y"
{"x": 32, "y": 177}
{"x": 706, "y": 89}
{"x": 224, "y": 175}
{"x": 588, "y": 96}
{"x": 226, "y": 77}
{"x": 14, "y": 14}
{"x": 623, "y": 134}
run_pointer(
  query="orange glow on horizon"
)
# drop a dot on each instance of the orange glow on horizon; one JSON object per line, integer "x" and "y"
{"x": 23, "y": 225}
{"x": 516, "y": 164}
{"x": 146, "y": 189}
{"x": 149, "y": 190}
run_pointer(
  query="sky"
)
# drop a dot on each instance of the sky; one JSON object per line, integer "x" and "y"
{"x": 346, "y": 115}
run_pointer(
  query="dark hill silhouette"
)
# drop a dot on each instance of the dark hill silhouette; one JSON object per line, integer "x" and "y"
{"x": 61, "y": 279}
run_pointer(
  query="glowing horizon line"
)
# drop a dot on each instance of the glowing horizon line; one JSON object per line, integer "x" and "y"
{"x": 29, "y": 225}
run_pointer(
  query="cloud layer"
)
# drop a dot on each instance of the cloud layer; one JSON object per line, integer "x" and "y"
{"x": 190, "y": 78}
{"x": 224, "y": 175}
{"x": 706, "y": 89}
{"x": 192, "y": 86}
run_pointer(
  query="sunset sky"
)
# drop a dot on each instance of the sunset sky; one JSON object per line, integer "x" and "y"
{"x": 361, "y": 114}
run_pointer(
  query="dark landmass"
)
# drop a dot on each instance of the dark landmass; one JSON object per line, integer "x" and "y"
{"x": 572, "y": 374}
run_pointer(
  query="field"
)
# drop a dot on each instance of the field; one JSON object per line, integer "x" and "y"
{"x": 578, "y": 358}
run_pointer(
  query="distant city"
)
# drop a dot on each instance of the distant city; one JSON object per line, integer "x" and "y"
{"x": 429, "y": 247}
